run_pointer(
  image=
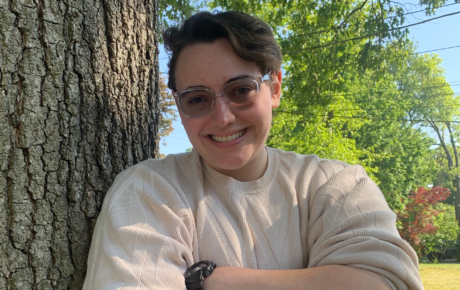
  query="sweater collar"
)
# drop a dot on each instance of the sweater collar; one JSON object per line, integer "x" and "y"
{"x": 223, "y": 181}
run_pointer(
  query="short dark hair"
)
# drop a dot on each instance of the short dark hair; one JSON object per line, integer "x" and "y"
{"x": 251, "y": 38}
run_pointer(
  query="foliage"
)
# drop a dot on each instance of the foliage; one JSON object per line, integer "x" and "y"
{"x": 446, "y": 230}
{"x": 401, "y": 153}
{"x": 397, "y": 202}
{"x": 354, "y": 86}
{"x": 433, "y": 105}
{"x": 432, "y": 5}
{"x": 418, "y": 219}
{"x": 340, "y": 85}
{"x": 291, "y": 130}
{"x": 167, "y": 108}
{"x": 174, "y": 12}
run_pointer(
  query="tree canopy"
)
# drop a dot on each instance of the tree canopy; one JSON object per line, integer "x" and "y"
{"x": 355, "y": 89}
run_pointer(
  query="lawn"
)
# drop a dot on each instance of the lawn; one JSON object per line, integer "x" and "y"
{"x": 440, "y": 276}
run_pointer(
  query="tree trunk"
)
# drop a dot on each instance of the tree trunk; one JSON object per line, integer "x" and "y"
{"x": 457, "y": 178}
{"x": 78, "y": 104}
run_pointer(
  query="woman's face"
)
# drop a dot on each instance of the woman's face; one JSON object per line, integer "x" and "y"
{"x": 212, "y": 65}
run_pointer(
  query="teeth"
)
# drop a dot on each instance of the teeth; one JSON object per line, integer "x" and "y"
{"x": 228, "y": 138}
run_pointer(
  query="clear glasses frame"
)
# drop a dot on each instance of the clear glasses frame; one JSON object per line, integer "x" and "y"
{"x": 258, "y": 81}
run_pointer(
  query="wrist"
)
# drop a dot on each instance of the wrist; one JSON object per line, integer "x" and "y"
{"x": 197, "y": 273}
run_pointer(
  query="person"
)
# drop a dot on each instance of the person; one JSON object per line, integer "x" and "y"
{"x": 233, "y": 213}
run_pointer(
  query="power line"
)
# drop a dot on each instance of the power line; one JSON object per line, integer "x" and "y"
{"x": 418, "y": 106}
{"x": 402, "y": 56}
{"x": 369, "y": 110}
{"x": 368, "y": 118}
{"x": 371, "y": 35}
{"x": 445, "y": 48}
{"x": 393, "y": 57}
{"x": 176, "y": 138}
{"x": 373, "y": 20}
{"x": 396, "y": 90}
{"x": 423, "y": 10}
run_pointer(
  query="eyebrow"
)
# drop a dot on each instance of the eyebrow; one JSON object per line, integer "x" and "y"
{"x": 245, "y": 76}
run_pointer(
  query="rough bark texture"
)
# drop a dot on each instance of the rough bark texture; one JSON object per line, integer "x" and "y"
{"x": 78, "y": 104}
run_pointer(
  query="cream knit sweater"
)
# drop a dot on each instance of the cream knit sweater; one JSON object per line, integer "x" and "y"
{"x": 161, "y": 216}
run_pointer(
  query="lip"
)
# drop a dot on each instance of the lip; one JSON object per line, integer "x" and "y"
{"x": 229, "y": 143}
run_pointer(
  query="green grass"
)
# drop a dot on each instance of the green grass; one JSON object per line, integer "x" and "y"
{"x": 444, "y": 276}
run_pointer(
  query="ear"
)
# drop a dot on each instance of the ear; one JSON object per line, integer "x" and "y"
{"x": 276, "y": 83}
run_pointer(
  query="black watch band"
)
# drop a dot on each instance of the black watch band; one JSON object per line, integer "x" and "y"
{"x": 195, "y": 275}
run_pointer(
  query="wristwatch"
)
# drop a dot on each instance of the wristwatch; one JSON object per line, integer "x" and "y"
{"x": 195, "y": 275}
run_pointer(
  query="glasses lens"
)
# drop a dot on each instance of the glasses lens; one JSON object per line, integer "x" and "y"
{"x": 242, "y": 94}
{"x": 196, "y": 103}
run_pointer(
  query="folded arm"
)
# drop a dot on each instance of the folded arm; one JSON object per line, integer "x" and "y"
{"x": 325, "y": 277}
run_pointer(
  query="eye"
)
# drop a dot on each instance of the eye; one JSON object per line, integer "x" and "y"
{"x": 197, "y": 100}
{"x": 243, "y": 90}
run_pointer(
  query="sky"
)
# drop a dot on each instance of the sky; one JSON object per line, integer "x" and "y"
{"x": 437, "y": 34}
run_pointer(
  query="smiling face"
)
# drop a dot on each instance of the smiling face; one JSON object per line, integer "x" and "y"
{"x": 230, "y": 141}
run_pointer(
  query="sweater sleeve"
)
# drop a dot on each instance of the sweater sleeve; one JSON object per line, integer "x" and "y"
{"x": 143, "y": 237}
{"x": 351, "y": 224}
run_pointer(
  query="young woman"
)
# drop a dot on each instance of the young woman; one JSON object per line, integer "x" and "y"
{"x": 268, "y": 219}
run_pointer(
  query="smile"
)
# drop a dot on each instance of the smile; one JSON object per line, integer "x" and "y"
{"x": 229, "y": 137}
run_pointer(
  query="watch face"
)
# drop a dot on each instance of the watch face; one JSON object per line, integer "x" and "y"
{"x": 195, "y": 275}
{"x": 190, "y": 271}
{"x": 203, "y": 268}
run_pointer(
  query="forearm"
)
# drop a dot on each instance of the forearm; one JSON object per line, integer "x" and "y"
{"x": 325, "y": 277}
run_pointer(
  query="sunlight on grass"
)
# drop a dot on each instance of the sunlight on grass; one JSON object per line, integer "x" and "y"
{"x": 440, "y": 276}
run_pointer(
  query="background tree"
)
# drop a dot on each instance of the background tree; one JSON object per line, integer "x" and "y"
{"x": 345, "y": 95}
{"x": 78, "y": 104}
{"x": 356, "y": 90}
{"x": 167, "y": 116}
{"x": 426, "y": 223}
{"x": 434, "y": 105}
{"x": 168, "y": 110}
{"x": 445, "y": 235}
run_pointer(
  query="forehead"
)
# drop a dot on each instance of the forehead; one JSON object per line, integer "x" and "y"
{"x": 211, "y": 65}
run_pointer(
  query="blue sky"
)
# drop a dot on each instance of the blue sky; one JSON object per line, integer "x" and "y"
{"x": 440, "y": 33}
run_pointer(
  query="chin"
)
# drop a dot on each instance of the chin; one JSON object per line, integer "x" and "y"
{"x": 229, "y": 164}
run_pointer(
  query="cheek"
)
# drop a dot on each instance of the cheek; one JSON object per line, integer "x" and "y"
{"x": 192, "y": 127}
{"x": 265, "y": 110}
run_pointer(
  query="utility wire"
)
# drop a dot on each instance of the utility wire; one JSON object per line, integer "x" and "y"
{"x": 419, "y": 52}
{"x": 418, "y": 106}
{"x": 373, "y": 20}
{"x": 400, "y": 56}
{"x": 371, "y": 35}
{"x": 445, "y": 48}
{"x": 369, "y": 110}
{"x": 423, "y": 10}
{"x": 369, "y": 118}
{"x": 396, "y": 90}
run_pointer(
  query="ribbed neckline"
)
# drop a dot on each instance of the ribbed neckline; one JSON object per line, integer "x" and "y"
{"x": 250, "y": 187}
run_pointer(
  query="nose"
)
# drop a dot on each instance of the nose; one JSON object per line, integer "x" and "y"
{"x": 222, "y": 114}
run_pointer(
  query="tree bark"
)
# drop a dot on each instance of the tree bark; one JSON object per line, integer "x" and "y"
{"x": 78, "y": 104}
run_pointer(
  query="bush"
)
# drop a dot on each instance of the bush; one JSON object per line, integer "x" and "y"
{"x": 427, "y": 224}
{"x": 445, "y": 236}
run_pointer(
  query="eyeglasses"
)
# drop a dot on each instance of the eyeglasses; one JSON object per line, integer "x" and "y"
{"x": 240, "y": 94}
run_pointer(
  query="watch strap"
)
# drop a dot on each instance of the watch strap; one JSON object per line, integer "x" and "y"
{"x": 195, "y": 275}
